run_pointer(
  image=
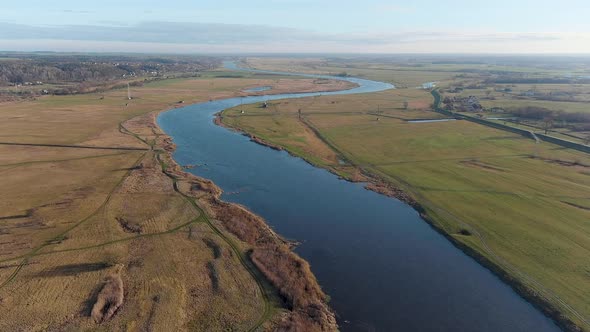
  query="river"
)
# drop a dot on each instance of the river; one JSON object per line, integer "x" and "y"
{"x": 384, "y": 268}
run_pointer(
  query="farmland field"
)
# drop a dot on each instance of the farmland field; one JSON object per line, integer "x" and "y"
{"x": 524, "y": 206}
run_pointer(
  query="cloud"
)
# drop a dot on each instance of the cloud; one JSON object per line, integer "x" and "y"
{"x": 77, "y": 11}
{"x": 224, "y": 37}
{"x": 161, "y": 32}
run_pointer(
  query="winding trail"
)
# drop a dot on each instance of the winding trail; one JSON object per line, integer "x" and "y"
{"x": 262, "y": 283}
{"x": 127, "y": 148}
{"x": 244, "y": 260}
{"x": 35, "y": 251}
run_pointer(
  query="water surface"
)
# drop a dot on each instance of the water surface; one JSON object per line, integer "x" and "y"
{"x": 258, "y": 89}
{"x": 383, "y": 266}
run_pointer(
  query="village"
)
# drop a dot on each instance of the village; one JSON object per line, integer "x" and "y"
{"x": 463, "y": 104}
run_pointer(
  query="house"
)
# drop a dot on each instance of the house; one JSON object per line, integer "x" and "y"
{"x": 463, "y": 104}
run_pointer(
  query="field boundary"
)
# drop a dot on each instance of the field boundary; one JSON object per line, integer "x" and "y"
{"x": 525, "y": 133}
{"x": 527, "y": 287}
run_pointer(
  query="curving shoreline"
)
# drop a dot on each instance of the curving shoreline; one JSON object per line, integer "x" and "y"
{"x": 389, "y": 190}
{"x": 378, "y": 185}
{"x": 373, "y": 183}
{"x": 290, "y": 275}
{"x": 267, "y": 256}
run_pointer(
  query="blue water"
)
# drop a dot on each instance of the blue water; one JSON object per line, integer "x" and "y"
{"x": 258, "y": 89}
{"x": 383, "y": 266}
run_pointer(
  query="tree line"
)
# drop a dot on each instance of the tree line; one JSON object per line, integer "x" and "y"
{"x": 575, "y": 120}
{"x": 92, "y": 70}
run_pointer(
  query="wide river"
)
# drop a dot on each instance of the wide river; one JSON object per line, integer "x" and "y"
{"x": 383, "y": 266}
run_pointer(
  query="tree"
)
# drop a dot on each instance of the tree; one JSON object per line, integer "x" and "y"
{"x": 547, "y": 124}
{"x": 406, "y": 104}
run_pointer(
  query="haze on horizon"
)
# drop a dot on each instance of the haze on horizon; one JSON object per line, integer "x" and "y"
{"x": 297, "y": 26}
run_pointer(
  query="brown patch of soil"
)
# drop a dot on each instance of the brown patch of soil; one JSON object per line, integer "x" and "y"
{"x": 389, "y": 190}
{"x": 109, "y": 299}
{"x": 262, "y": 142}
{"x": 565, "y": 163}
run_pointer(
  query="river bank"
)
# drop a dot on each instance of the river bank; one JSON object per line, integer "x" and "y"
{"x": 290, "y": 275}
{"x": 277, "y": 266}
{"x": 340, "y": 224}
{"x": 379, "y": 184}
{"x": 104, "y": 205}
{"x": 371, "y": 182}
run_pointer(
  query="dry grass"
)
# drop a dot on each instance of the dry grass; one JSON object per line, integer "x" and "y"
{"x": 289, "y": 273}
{"x": 72, "y": 217}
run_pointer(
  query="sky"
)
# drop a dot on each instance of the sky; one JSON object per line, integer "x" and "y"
{"x": 297, "y": 26}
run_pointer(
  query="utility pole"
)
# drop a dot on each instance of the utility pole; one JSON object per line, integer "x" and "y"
{"x": 128, "y": 91}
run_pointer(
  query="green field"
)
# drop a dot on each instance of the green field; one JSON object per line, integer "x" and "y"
{"x": 525, "y": 206}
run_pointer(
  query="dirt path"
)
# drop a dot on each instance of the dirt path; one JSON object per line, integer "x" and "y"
{"x": 202, "y": 217}
{"x": 127, "y": 148}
